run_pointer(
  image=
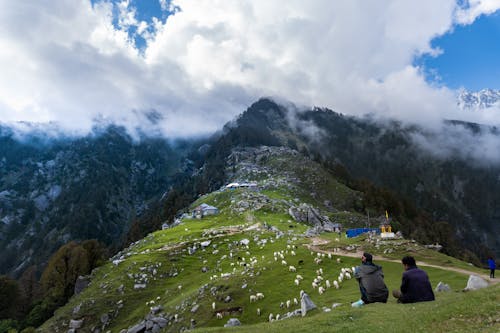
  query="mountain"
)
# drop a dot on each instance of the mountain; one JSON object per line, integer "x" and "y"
{"x": 58, "y": 190}
{"x": 250, "y": 261}
{"x": 468, "y": 100}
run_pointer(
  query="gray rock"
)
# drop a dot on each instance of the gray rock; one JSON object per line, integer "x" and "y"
{"x": 75, "y": 323}
{"x": 105, "y": 319}
{"x": 71, "y": 330}
{"x": 205, "y": 243}
{"x": 228, "y": 299}
{"x": 204, "y": 269}
{"x": 77, "y": 308}
{"x": 162, "y": 322}
{"x": 442, "y": 287}
{"x": 156, "y": 328}
{"x": 306, "y": 304}
{"x": 139, "y": 286}
{"x": 141, "y": 327}
{"x": 149, "y": 324}
{"x": 81, "y": 283}
{"x": 475, "y": 283}
{"x": 232, "y": 322}
{"x": 195, "y": 308}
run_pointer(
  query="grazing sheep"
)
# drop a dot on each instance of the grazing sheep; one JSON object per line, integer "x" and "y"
{"x": 271, "y": 318}
{"x": 335, "y": 284}
{"x": 299, "y": 277}
{"x": 293, "y": 253}
{"x": 278, "y": 316}
{"x": 253, "y": 298}
{"x": 314, "y": 285}
{"x": 259, "y": 295}
{"x": 347, "y": 275}
{"x": 319, "y": 277}
{"x": 341, "y": 278}
{"x": 327, "y": 282}
{"x": 318, "y": 255}
{"x": 295, "y": 301}
{"x": 288, "y": 303}
{"x": 302, "y": 292}
{"x": 342, "y": 270}
{"x": 218, "y": 315}
{"x": 292, "y": 269}
{"x": 321, "y": 290}
{"x": 339, "y": 260}
{"x": 283, "y": 262}
{"x": 317, "y": 261}
{"x": 282, "y": 305}
{"x": 213, "y": 305}
{"x": 329, "y": 256}
{"x": 296, "y": 281}
{"x": 258, "y": 312}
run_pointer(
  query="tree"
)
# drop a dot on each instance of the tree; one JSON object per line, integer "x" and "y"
{"x": 9, "y": 297}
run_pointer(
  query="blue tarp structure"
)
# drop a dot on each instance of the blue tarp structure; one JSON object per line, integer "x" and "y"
{"x": 358, "y": 231}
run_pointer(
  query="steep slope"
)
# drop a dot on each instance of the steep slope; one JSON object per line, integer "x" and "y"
{"x": 201, "y": 272}
{"x": 66, "y": 189}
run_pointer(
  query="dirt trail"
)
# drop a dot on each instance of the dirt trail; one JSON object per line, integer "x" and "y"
{"x": 317, "y": 242}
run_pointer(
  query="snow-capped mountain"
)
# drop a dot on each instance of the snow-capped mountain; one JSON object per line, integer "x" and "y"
{"x": 477, "y": 100}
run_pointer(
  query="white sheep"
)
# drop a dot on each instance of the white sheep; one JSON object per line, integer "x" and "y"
{"x": 253, "y": 298}
{"x": 293, "y": 253}
{"x": 319, "y": 277}
{"x": 283, "y": 262}
{"x": 282, "y": 305}
{"x": 299, "y": 277}
{"x": 321, "y": 290}
{"x": 339, "y": 260}
{"x": 271, "y": 317}
{"x": 288, "y": 303}
{"x": 258, "y": 312}
{"x": 329, "y": 256}
{"x": 341, "y": 277}
{"x": 314, "y": 285}
{"x": 327, "y": 282}
{"x": 347, "y": 275}
{"x": 278, "y": 316}
{"x": 296, "y": 281}
{"x": 213, "y": 305}
{"x": 218, "y": 315}
{"x": 259, "y": 295}
{"x": 295, "y": 301}
{"x": 292, "y": 269}
{"x": 335, "y": 284}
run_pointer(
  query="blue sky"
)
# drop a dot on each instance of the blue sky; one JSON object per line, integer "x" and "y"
{"x": 470, "y": 58}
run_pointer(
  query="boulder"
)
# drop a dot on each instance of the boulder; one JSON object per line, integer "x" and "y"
{"x": 141, "y": 327}
{"x": 306, "y": 304}
{"x": 442, "y": 287}
{"x": 81, "y": 283}
{"x": 232, "y": 322}
{"x": 195, "y": 308}
{"x": 475, "y": 283}
{"x": 75, "y": 323}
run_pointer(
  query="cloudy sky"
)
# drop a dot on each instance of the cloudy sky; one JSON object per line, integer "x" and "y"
{"x": 188, "y": 66}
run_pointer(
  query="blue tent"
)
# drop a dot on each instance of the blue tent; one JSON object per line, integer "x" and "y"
{"x": 358, "y": 231}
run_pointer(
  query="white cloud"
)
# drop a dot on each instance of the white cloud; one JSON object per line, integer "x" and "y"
{"x": 472, "y": 9}
{"x": 65, "y": 61}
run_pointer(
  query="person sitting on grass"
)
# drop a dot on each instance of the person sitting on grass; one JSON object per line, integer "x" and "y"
{"x": 415, "y": 285}
{"x": 371, "y": 282}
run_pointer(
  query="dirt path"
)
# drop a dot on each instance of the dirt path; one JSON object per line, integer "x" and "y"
{"x": 317, "y": 242}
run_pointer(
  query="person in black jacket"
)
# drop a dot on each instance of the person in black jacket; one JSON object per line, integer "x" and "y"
{"x": 415, "y": 285}
{"x": 371, "y": 282}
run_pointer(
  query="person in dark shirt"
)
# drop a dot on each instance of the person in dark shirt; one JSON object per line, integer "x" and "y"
{"x": 492, "y": 266}
{"x": 415, "y": 285}
{"x": 371, "y": 282}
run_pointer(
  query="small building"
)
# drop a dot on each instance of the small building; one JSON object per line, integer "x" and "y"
{"x": 204, "y": 210}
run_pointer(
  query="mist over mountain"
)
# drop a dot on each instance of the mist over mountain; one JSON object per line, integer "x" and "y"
{"x": 54, "y": 190}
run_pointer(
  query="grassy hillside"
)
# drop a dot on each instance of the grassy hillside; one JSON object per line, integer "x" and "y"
{"x": 175, "y": 274}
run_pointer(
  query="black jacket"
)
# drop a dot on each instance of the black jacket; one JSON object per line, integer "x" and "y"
{"x": 371, "y": 283}
{"x": 416, "y": 286}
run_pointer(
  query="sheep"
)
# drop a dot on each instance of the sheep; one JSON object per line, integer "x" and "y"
{"x": 342, "y": 270}
{"x": 341, "y": 277}
{"x": 339, "y": 260}
{"x": 321, "y": 290}
{"x": 314, "y": 285}
{"x": 218, "y": 315}
{"x": 292, "y": 269}
{"x": 259, "y": 295}
{"x": 293, "y": 253}
{"x": 288, "y": 303}
{"x": 319, "y": 277}
{"x": 327, "y": 282}
{"x": 271, "y": 317}
{"x": 295, "y": 301}
{"x": 335, "y": 284}
{"x": 283, "y": 262}
{"x": 253, "y": 298}
{"x": 258, "y": 312}
{"x": 296, "y": 281}
{"x": 302, "y": 292}
{"x": 299, "y": 277}
{"x": 347, "y": 275}
{"x": 278, "y": 316}
{"x": 318, "y": 255}
{"x": 282, "y": 305}
{"x": 329, "y": 256}
{"x": 213, "y": 305}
